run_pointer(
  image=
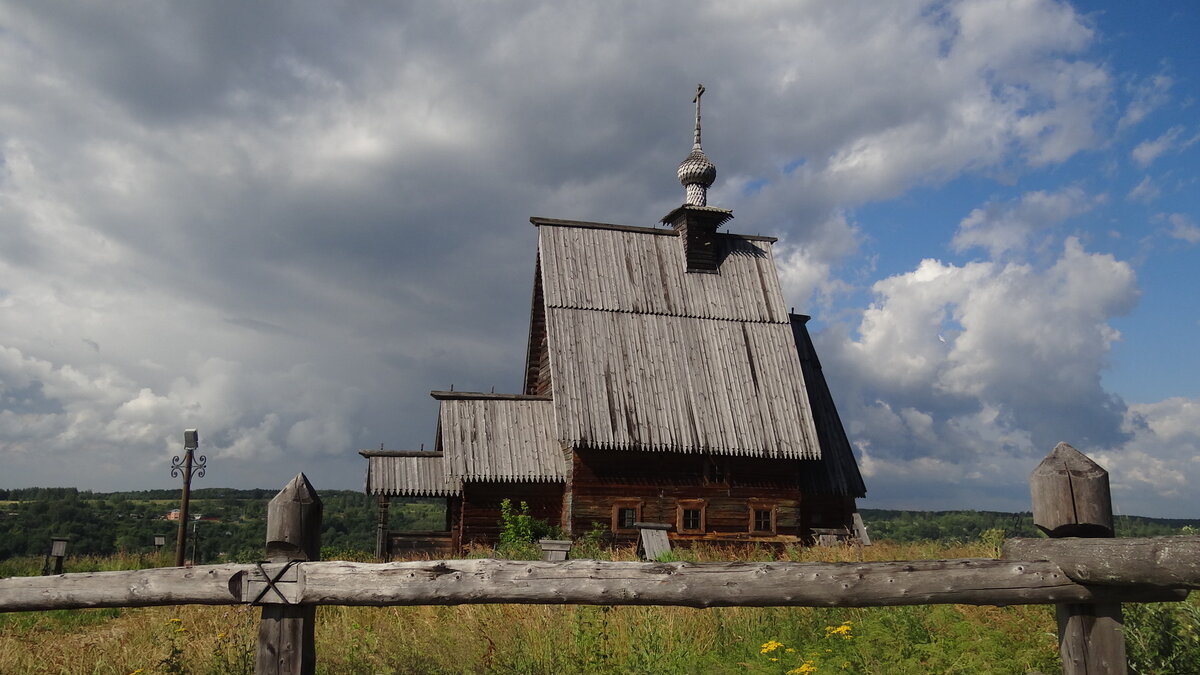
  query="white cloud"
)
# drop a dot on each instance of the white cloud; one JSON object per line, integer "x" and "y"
{"x": 1145, "y": 191}
{"x": 1148, "y": 95}
{"x": 1018, "y": 371}
{"x": 1182, "y": 227}
{"x": 1147, "y": 151}
{"x": 1010, "y": 226}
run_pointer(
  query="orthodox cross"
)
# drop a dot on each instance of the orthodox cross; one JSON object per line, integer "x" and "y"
{"x": 696, "y": 100}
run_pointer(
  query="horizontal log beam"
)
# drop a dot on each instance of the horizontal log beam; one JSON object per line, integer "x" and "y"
{"x": 1170, "y": 562}
{"x": 200, "y": 585}
{"x": 454, "y": 582}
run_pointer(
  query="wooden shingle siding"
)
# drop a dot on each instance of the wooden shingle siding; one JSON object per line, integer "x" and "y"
{"x": 408, "y": 474}
{"x": 621, "y": 270}
{"x": 653, "y": 382}
{"x": 503, "y": 438}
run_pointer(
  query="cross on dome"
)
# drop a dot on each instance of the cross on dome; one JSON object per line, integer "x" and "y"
{"x": 696, "y": 172}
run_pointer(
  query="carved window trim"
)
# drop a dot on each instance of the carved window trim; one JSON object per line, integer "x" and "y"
{"x": 754, "y": 508}
{"x": 618, "y": 505}
{"x": 682, "y": 507}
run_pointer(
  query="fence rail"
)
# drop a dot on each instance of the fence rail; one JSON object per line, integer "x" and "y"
{"x": 1086, "y": 578}
{"x": 1033, "y": 579}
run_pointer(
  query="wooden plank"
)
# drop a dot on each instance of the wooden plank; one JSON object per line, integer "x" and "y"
{"x": 652, "y": 540}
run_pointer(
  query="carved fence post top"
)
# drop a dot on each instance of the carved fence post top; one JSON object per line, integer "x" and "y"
{"x": 1066, "y": 458}
{"x": 1071, "y": 495}
{"x": 294, "y": 522}
{"x": 299, "y": 490}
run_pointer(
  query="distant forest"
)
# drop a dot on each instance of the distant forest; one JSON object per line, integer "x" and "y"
{"x": 232, "y": 527}
{"x": 230, "y": 524}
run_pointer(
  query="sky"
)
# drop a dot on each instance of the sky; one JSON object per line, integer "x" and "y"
{"x": 284, "y": 223}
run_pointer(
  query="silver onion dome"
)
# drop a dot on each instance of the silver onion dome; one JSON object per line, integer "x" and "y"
{"x": 697, "y": 168}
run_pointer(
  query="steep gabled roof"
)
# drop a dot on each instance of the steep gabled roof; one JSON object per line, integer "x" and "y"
{"x": 836, "y": 472}
{"x": 643, "y": 355}
{"x": 408, "y": 474}
{"x": 499, "y": 437}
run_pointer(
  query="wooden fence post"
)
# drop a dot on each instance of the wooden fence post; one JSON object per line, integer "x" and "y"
{"x": 285, "y": 632}
{"x": 1071, "y": 499}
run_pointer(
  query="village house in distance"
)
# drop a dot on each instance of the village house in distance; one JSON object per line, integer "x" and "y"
{"x": 665, "y": 381}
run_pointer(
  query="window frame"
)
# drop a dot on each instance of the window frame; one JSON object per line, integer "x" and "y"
{"x": 754, "y": 506}
{"x": 683, "y": 505}
{"x": 635, "y": 504}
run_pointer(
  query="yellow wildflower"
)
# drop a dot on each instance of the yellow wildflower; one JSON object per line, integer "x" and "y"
{"x": 803, "y": 669}
{"x": 181, "y": 630}
{"x": 770, "y": 646}
{"x": 174, "y": 620}
{"x": 136, "y": 672}
{"x": 221, "y": 636}
{"x": 842, "y": 631}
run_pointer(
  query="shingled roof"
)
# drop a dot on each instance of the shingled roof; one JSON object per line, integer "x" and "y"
{"x": 400, "y": 473}
{"x": 640, "y": 354}
{"x": 499, "y": 437}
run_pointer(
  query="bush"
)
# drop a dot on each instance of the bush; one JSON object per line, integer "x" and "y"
{"x": 520, "y": 531}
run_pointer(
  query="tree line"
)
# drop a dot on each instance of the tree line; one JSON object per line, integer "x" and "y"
{"x": 228, "y": 524}
{"x": 231, "y": 523}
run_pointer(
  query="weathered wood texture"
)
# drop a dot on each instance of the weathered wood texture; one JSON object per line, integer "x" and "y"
{"x": 479, "y": 519}
{"x": 1154, "y": 561}
{"x": 1070, "y": 495}
{"x": 409, "y": 474}
{"x": 202, "y": 585}
{"x": 603, "y": 479}
{"x": 432, "y": 544}
{"x": 700, "y": 584}
{"x": 1071, "y": 498}
{"x": 965, "y": 581}
{"x": 499, "y": 437}
{"x": 652, "y": 540}
{"x": 286, "y": 644}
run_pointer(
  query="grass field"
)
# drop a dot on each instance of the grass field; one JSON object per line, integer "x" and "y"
{"x": 580, "y": 639}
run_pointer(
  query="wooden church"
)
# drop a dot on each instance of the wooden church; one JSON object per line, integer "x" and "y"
{"x": 665, "y": 381}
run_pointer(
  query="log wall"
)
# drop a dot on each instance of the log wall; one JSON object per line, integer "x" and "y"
{"x": 659, "y": 481}
{"x": 479, "y": 520}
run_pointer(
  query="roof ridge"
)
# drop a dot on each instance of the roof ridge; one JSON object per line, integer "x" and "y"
{"x": 539, "y": 221}
{"x": 483, "y": 395}
{"x": 782, "y": 322}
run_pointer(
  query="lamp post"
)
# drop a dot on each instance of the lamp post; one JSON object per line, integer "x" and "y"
{"x": 186, "y": 467}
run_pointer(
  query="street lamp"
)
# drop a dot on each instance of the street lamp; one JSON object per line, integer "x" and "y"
{"x": 186, "y": 467}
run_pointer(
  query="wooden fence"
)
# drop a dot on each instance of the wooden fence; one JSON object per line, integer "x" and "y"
{"x": 1086, "y": 577}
